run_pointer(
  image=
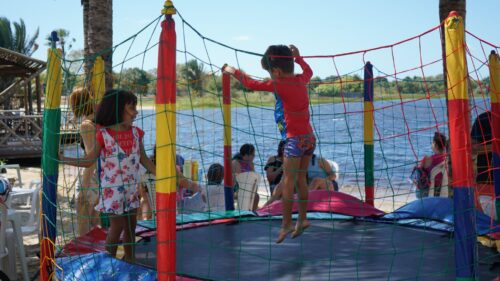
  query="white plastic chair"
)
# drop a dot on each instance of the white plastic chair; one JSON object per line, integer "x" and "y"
{"x": 33, "y": 223}
{"x": 150, "y": 181}
{"x": 18, "y": 190}
{"x": 17, "y": 231}
{"x": 488, "y": 206}
{"x": 15, "y": 235}
{"x": 18, "y": 171}
{"x": 4, "y": 252}
{"x": 335, "y": 168}
{"x": 439, "y": 169}
{"x": 214, "y": 195}
{"x": 247, "y": 183}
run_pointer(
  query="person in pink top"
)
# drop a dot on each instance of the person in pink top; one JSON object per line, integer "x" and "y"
{"x": 119, "y": 150}
{"x": 291, "y": 88}
{"x": 439, "y": 145}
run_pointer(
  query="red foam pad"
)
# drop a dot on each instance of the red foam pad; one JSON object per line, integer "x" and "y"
{"x": 327, "y": 201}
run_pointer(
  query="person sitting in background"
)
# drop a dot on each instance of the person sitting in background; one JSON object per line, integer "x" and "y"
{"x": 213, "y": 192}
{"x": 186, "y": 191}
{"x": 274, "y": 167}
{"x": 242, "y": 163}
{"x": 320, "y": 175}
{"x": 438, "y": 146}
{"x": 145, "y": 211}
{"x": 147, "y": 204}
{"x": 481, "y": 136}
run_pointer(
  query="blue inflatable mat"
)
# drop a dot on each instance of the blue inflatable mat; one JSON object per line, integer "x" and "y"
{"x": 438, "y": 209}
{"x": 101, "y": 266}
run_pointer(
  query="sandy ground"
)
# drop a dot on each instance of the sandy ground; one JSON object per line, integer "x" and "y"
{"x": 385, "y": 199}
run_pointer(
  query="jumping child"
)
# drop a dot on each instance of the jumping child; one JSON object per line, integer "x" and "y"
{"x": 120, "y": 150}
{"x": 278, "y": 60}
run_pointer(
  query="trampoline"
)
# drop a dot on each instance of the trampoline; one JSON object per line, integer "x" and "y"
{"x": 356, "y": 242}
{"x": 329, "y": 250}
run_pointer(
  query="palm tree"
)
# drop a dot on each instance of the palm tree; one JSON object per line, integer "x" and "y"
{"x": 193, "y": 73}
{"x": 86, "y": 49}
{"x": 98, "y": 33}
{"x": 17, "y": 40}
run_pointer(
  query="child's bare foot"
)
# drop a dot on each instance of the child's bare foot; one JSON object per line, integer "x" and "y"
{"x": 300, "y": 227}
{"x": 284, "y": 231}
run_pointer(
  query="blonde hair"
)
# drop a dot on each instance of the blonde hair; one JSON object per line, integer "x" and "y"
{"x": 81, "y": 102}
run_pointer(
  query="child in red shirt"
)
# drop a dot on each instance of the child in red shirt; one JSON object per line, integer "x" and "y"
{"x": 300, "y": 143}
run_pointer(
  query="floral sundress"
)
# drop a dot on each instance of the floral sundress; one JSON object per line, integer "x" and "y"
{"x": 119, "y": 176}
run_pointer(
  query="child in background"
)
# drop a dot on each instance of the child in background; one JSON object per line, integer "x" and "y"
{"x": 120, "y": 150}
{"x": 213, "y": 192}
{"x": 438, "y": 146}
{"x": 243, "y": 163}
{"x": 82, "y": 105}
{"x": 278, "y": 60}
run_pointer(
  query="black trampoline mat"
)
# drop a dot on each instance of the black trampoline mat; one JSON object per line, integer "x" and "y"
{"x": 328, "y": 250}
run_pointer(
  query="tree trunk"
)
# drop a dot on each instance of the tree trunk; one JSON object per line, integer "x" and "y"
{"x": 86, "y": 49}
{"x": 100, "y": 34}
{"x": 38, "y": 96}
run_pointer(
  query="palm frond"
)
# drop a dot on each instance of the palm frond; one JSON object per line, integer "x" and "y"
{"x": 5, "y": 33}
{"x": 16, "y": 39}
{"x": 20, "y": 37}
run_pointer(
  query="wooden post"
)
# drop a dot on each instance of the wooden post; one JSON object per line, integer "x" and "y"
{"x": 30, "y": 98}
{"x": 26, "y": 95}
{"x": 38, "y": 95}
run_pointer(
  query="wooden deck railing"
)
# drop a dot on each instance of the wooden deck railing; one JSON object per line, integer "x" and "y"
{"x": 20, "y": 135}
{"x": 20, "y": 129}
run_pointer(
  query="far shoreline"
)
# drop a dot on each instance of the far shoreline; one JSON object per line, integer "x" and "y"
{"x": 267, "y": 100}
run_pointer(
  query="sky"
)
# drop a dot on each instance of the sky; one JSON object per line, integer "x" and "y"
{"x": 316, "y": 27}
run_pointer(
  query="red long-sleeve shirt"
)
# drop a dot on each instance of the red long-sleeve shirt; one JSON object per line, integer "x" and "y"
{"x": 292, "y": 91}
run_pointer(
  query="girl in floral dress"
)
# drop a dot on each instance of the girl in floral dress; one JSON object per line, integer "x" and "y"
{"x": 120, "y": 150}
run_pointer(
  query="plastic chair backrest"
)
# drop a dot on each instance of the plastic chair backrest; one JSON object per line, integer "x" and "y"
{"x": 335, "y": 168}
{"x": 34, "y": 217}
{"x": 248, "y": 183}
{"x": 19, "y": 181}
{"x": 214, "y": 195}
{"x": 439, "y": 169}
{"x": 150, "y": 182}
{"x": 3, "y": 233}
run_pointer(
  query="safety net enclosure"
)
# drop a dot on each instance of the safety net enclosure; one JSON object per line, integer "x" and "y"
{"x": 373, "y": 125}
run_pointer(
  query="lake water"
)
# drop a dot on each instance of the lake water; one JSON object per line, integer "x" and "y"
{"x": 403, "y": 134}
